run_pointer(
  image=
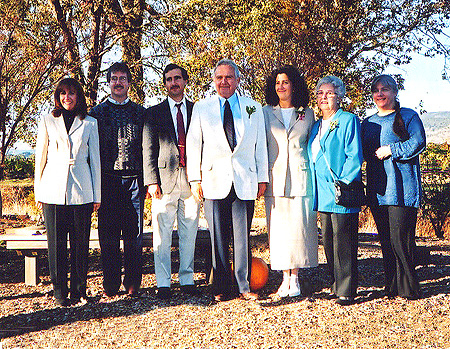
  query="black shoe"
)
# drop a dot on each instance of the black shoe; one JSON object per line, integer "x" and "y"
{"x": 62, "y": 302}
{"x": 82, "y": 300}
{"x": 190, "y": 290}
{"x": 330, "y": 296}
{"x": 164, "y": 293}
{"x": 344, "y": 301}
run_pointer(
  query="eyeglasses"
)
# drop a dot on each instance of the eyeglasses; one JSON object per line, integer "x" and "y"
{"x": 120, "y": 78}
{"x": 327, "y": 94}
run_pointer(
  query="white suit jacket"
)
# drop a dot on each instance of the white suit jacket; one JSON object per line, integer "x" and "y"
{"x": 210, "y": 159}
{"x": 67, "y": 170}
{"x": 287, "y": 152}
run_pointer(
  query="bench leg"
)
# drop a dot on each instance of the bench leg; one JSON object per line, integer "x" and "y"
{"x": 31, "y": 270}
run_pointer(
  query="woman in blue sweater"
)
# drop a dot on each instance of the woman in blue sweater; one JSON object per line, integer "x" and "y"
{"x": 392, "y": 141}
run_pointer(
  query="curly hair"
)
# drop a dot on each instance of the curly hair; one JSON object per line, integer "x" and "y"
{"x": 300, "y": 95}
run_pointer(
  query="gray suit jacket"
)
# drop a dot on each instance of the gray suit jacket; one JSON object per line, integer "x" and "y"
{"x": 289, "y": 172}
{"x": 160, "y": 146}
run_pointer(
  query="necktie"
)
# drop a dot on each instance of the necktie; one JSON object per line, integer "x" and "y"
{"x": 228, "y": 126}
{"x": 181, "y": 136}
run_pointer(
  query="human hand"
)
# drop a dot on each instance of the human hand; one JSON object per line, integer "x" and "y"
{"x": 197, "y": 191}
{"x": 154, "y": 191}
{"x": 96, "y": 206}
{"x": 383, "y": 152}
{"x": 261, "y": 189}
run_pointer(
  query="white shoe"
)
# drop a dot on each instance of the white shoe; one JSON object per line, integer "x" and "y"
{"x": 283, "y": 291}
{"x": 294, "y": 287}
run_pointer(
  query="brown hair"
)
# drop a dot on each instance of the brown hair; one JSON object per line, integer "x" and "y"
{"x": 70, "y": 84}
{"x": 398, "y": 126}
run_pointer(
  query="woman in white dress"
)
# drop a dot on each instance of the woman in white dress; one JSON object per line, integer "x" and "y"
{"x": 288, "y": 198}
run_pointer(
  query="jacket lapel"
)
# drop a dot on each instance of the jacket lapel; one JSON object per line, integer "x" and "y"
{"x": 167, "y": 115}
{"x": 189, "y": 106}
{"x": 76, "y": 124}
{"x": 294, "y": 120}
{"x": 61, "y": 128}
{"x": 277, "y": 114}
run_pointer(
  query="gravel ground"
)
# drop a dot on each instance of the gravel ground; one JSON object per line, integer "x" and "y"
{"x": 29, "y": 319}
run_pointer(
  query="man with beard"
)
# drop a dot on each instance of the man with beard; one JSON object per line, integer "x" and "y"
{"x": 164, "y": 140}
{"x": 120, "y": 123}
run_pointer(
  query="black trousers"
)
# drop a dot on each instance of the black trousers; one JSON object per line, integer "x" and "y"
{"x": 121, "y": 215}
{"x": 74, "y": 220}
{"x": 230, "y": 218}
{"x": 396, "y": 227}
{"x": 340, "y": 241}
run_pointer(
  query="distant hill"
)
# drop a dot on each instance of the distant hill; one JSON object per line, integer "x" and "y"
{"x": 437, "y": 126}
{"x": 26, "y": 153}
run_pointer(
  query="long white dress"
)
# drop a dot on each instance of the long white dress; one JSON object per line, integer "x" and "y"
{"x": 291, "y": 223}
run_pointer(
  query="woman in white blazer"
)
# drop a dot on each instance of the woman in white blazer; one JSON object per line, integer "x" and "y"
{"x": 288, "y": 198}
{"x": 67, "y": 187}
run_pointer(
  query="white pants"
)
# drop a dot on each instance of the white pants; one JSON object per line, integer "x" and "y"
{"x": 180, "y": 203}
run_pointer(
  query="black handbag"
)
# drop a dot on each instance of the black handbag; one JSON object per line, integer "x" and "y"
{"x": 349, "y": 195}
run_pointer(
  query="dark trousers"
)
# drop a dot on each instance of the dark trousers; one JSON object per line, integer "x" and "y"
{"x": 396, "y": 227}
{"x": 230, "y": 218}
{"x": 121, "y": 214}
{"x": 340, "y": 241}
{"x": 74, "y": 220}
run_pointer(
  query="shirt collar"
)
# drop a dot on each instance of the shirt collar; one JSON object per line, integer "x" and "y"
{"x": 113, "y": 101}
{"x": 172, "y": 103}
{"x": 232, "y": 100}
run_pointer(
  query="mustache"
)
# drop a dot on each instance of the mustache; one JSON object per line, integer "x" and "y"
{"x": 174, "y": 87}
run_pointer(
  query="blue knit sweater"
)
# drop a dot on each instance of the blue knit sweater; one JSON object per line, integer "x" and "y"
{"x": 395, "y": 180}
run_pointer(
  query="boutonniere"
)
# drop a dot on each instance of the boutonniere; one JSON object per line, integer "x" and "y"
{"x": 250, "y": 110}
{"x": 334, "y": 124}
{"x": 300, "y": 113}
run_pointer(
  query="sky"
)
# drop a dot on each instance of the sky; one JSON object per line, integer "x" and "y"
{"x": 423, "y": 81}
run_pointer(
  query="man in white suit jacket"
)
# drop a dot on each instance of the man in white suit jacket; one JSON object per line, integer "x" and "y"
{"x": 230, "y": 171}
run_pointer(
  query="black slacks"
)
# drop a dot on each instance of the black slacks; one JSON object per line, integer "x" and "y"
{"x": 230, "y": 218}
{"x": 340, "y": 241}
{"x": 74, "y": 220}
{"x": 121, "y": 214}
{"x": 396, "y": 227}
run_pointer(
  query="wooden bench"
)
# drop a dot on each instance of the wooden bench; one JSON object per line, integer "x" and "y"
{"x": 31, "y": 241}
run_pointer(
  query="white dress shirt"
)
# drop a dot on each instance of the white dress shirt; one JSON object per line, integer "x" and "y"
{"x": 174, "y": 111}
{"x": 237, "y": 117}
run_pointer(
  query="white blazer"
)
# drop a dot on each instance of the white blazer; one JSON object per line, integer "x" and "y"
{"x": 67, "y": 170}
{"x": 210, "y": 159}
{"x": 289, "y": 171}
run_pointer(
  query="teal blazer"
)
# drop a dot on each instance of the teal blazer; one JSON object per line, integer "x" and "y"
{"x": 343, "y": 150}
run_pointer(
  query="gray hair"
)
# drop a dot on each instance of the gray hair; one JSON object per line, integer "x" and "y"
{"x": 230, "y": 63}
{"x": 385, "y": 80}
{"x": 338, "y": 84}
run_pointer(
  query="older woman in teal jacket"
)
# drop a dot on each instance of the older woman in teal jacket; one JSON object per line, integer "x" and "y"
{"x": 335, "y": 152}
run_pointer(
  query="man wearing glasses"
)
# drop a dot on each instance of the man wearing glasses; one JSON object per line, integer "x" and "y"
{"x": 120, "y": 123}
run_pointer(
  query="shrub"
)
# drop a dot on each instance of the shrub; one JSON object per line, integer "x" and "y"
{"x": 19, "y": 167}
{"x": 436, "y": 199}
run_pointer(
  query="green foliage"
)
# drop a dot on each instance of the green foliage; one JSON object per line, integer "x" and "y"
{"x": 436, "y": 199}
{"x": 352, "y": 39}
{"x": 435, "y": 157}
{"x": 19, "y": 167}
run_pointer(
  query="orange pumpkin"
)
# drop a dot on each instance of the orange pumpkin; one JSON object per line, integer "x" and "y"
{"x": 259, "y": 274}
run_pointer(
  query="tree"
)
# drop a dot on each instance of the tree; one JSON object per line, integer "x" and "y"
{"x": 353, "y": 39}
{"x": 29, "y": 55}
